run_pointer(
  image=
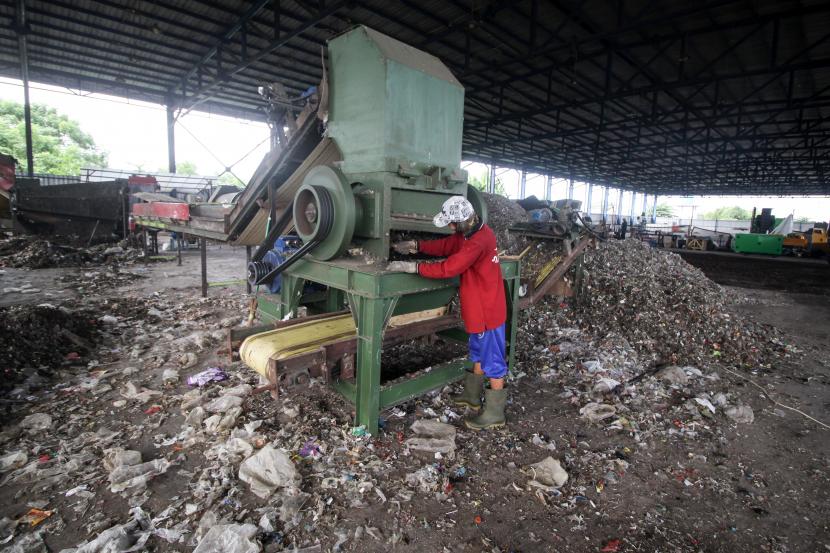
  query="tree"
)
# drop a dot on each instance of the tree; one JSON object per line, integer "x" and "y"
{"x": 733, "y": 213}
{"x": 186, "y": 168}
{"x": 59, "y": 146}
{"x": 230, "y": 178}
{"x": 665, "y": 210}
{"x": 482, "y": 180}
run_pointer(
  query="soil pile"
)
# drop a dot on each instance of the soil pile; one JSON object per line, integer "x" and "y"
{"x": 37, "y": 339}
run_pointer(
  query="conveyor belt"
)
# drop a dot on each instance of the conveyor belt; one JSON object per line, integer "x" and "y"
{"x": 307, "y": 336}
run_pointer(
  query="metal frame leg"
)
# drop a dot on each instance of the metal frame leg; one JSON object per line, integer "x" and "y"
{"x": 247, "y": 262}
{"x": 203, "y": 248}
{"x": 179, "y": 250}
{"x": 371, "y": 316}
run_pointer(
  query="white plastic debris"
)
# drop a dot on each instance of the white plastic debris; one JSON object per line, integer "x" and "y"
{"x": 13, "y": 460}
{"x": 673, "y": 375}
{"x": 223, "y": 404}
{"x": 36, "y": 422}
{"x": 433, "y": 437}
{"x": 131, "y": 476}
{"x": 115, "y": 457}
{"x": 598, "y": 412}
{"x": 268, "y": 470}
{"x": 705, "y": 403}
{"x": 548, "y": 473}
{"x": 170, "y": 376}
{"x": 142, "y": 395}
{"x": 741, "y": 414}
{"x": 229, "y": 538}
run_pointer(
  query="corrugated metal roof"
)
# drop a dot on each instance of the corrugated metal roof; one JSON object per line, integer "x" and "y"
{"x": 691, "y": 96}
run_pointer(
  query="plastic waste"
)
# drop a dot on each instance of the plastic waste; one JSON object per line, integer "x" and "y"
{"x": 742, "y": 414}
{"x": 229, "y": 538}
{"x": 548, "y": 473}
{"x": 598, "y": 412}
{"x": 211, "y": 374}
{"x": 268, "y": 470}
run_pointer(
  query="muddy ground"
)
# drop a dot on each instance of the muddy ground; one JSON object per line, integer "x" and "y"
{"x": 704, "y": 484}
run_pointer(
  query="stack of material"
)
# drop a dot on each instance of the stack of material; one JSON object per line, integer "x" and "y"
{"x": 662, "y": 306}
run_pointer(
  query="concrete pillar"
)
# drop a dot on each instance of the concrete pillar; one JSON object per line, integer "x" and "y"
{"x": 619, "y": 207}
{"x": 171, "y": 136}
{"x": 645, "y": 204}
{"x": 654, "y": 210}
{"x": 22, "y": 31}
{"x": 605, "y": 202}
{"x": 523, "y": 185}
{"x": 571, "y": 188}
{"x": 549, "y": 188}
{"x": 589, "y": 197}
{"x": 491, "y": 184}
{"x": 633, "y": 203}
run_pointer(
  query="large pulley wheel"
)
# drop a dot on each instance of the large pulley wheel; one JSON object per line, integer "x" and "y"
{"x": 324, "y": 212}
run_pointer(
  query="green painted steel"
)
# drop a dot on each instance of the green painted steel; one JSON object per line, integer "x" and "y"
{"x": 768, "y": 244}
{"x": 436, "y": 377}
{"x": 393, "y": 104}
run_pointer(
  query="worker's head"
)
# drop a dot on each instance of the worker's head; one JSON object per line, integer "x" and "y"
{"x": 458, "y": 213}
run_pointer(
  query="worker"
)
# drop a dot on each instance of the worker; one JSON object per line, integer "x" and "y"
{"x": 471, "y": 253}
{"x": 623, "y": 229}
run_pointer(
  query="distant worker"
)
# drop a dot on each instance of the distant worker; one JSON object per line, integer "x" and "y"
{"x": 623, "y": 229}
{"x": 471, "y": 252}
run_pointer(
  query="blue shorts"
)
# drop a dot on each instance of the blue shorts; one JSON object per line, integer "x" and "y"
{"x": 488, "y": 349}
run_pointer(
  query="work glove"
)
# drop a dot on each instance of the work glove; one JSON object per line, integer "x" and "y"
{"x": 402, "y": 267}
{"x": 406, "y": 247}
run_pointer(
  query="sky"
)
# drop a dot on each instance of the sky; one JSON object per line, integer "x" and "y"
{"x": 134, "y": 136}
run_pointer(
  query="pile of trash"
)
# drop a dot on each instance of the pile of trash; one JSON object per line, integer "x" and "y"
{"x": 666, "y": 308}
{"x": 501, "y": 214}
{"x": 32, "y": 252}
{"x": 36, "y": 339}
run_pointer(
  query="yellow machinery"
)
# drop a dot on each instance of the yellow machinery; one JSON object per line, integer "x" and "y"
{"x": 811, "y": 242}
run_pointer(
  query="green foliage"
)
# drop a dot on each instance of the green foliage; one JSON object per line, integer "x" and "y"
{"x": 186, "y": 168}
{"x": 59, "y": 146}
{"x": 229, "y": 178}
{"x": 481, "y": 181}
{"x": 665, "y": 210}
{"x": 733, "y": 213}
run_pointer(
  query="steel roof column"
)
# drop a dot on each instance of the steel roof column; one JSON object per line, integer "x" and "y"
{"x": 619, "y": 207}
{"x": 605, "y": 203}
{"x": 171, "y": 136}
{"x": 645, "y": 204}
{"x": 491, "y": 184}
{"x": 654, "y": 210}
{"x": 549, "y": 188}
{"x": 589, "y": 194}
{"x": 523, "y": 185}
{"x": 571, "y": 188}
{"x": 22, "y": 31}
{"x": 633, "y": 203}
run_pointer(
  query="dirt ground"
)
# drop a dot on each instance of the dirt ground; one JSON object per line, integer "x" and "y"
{"x": 705, "y": 484}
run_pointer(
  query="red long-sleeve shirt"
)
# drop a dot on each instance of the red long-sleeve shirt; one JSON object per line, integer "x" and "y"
{"x": 476, "y": 261}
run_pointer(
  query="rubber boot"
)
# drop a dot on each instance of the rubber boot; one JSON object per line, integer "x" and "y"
{"x": 493, "y": 414}
{"x": 471, "y": 395}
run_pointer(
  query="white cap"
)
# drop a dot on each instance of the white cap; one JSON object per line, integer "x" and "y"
{"x": 455, "y": 210}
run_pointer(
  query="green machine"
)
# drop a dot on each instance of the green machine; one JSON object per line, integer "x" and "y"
{"x": 396, "y": 115}
{"x": 768, "y": 244}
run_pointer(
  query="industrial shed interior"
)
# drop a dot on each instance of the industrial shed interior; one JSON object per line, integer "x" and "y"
{"x": 296, "y": 353}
